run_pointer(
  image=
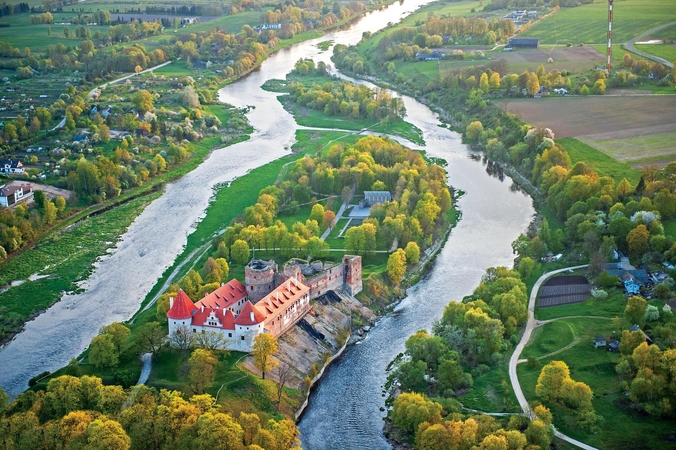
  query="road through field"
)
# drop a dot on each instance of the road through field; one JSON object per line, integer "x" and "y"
{"x": 631, "y": 48}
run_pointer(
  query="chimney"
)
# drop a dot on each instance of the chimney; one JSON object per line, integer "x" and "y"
{"x": 252, "y": 317}
{"x": 277, "y": 294}
{"x": 288, "y": 285}
{"x": 202, "y": 308}
{"x": 269, "y": 302}
{"x": 224, "y": 310}
{"x": 171, "y": 302}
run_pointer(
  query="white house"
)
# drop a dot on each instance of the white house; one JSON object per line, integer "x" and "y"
{"x": 13, "y": 193}
{"x": 9, "y": 166}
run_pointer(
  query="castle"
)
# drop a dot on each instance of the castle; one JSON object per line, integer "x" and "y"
{"x": 269, "y": 301}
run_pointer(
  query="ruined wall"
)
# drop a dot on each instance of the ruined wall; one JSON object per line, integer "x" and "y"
{"x": 259, "y": 278}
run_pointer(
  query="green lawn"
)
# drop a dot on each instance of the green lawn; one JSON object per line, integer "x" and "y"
{"x": 589, "y": 23}
{"x": 656, "y": 146}
{"x": 603, "y": 164}
{"x": 670, "y": 228}
{"x": 492, "y": 391}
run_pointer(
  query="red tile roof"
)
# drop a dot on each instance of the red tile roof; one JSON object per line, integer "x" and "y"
{"x": 282, "y": 298}
{"x": 182, "y": 308}
{"x": 225, "y": 296}
{"x": 226, "y": 319}
{"x": 245, "y": 316}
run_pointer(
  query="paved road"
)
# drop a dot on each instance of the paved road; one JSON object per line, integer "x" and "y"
{"x": 630, "y": 45}
{"x": 514, "y": 360}
{"x": 147, "y": 359}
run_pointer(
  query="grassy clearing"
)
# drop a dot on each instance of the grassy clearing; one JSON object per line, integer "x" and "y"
{"x": 603, "y": 164}
{"x": 318, "y": 119}
{"x": 492, "y": 391}
{"x": 638, "y": 148}
{"x": 670, "y": 228}
{"x": 549, "y": 338}
{"x": 588, "y": 23}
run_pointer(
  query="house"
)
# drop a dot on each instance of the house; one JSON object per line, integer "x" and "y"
{"x": 434, "y": 56}
{"x": 635, "y": 327}
{"x": 10, "y": 166}
{"x": 614, "y": 346}
{"x": 599, "y": 341}
{"x": 562, "y": 91}
{"x": 524, "y": 42}
{"x": 11, "y": 194}
{"x": 376, "y": 197}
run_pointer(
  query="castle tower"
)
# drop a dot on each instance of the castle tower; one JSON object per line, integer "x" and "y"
{"x": 352, "y": 283}
{"x": 259, "y": 277}
{"x": 292, "y": 270}
{"x": 181, "y": 310}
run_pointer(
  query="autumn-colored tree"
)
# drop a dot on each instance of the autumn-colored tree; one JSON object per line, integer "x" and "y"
{"x": 551, "y": 379}
{"x": 412, "y": 252}
{"x": 201, "y": 365}
{"x": 412, "y": 409}
{"x": 106, "y": 434}
{"x": 211, "y": 271}
{"x": 635, "y": 309}
{"x": 191, "y": 283}
{"x": 483, "y": 83}
{"x": 264, "y": 348}
{"x": 396, "y": 266}
{"x": 317, "y": 213}
{"x": 142, "y": 101}
{"x": 474, "y": 131}
{"x": 638, "y": 240}
{"x": 328, "y": 218}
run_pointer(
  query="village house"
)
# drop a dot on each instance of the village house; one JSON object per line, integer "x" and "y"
{"x": 13, "y": 193}
{"x": 268, "y": 302}
{"x": 11, "y": 166}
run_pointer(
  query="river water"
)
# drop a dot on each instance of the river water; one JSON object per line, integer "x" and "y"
{"x": 344, "y": 409}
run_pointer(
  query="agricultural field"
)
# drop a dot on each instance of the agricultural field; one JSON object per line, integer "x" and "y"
{"x": 666, "y": 51}
{"x": 573, "y": 59}
{"x": 588, "y": 23}
{"x": 603, "y": 164}
{"x": 632, "y": 129}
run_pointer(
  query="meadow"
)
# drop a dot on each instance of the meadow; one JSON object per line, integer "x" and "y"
{"x": 603, "y": 164}
{"x": 666, "y": 51}
{"x": 589, "y": 23}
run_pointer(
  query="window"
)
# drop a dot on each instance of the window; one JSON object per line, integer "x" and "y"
{"x": 229, "y": 334}
{"x": 174, "y": 322}
{"x": 242, "y": 338}
{"x": 194, "y": 330}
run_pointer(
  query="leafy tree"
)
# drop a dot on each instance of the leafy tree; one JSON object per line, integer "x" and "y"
{"x": 630, "y": 340}
{"x": 239, "y": 251}
{"x": 526, "y": 266}
{"x": 40, "y": 199}
{"x": 328, "y": 218}
{"x": 201, "y": 364}
{"x": 60, "y": 204}
{"x": 118, "y": 332}
{"x": 264, "y": 348}
{"x": 412, "y": 252}
{"x": 355, "y": 241}
{"x": 652, "y": 313}
{"x": 149, "y": 337}
{"x": 212, "y": 271}
{"x": 411, "y": 409}
{"x": 49, "y": 215}
{"x": 142, "y": 101}
{"x": 317, "y": 213}
{"x": 316, "y": 248}
{"x": 638, "y": 240}
{"x": 396, "y": 266}
{"x": 474, "y": 131}
{"x": 102, "y": 351}
{"x": 191, "y": 283}
{"x": 105, "y": 434}
{"x": 551, "y": 379}
{"x": 635, "y": 309}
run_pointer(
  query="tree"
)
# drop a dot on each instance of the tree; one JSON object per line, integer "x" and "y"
{"x": 189, "y": 97}
{"x": 396, "y": 266}
{"x": 239, "y": 251}
{"x": 265, "y": 346}
{"x": 652, "y": 313}
{"x": 212, "y": 340}
{"x": 218, "y": 431}
{"x": 317, "y": 213}
{"x": 635, "y": 309}
{"x": 638, "y": 240}
{"x": 182, "y": 338}
{"x": 283, "y": 374}
{"x": 327, "y": 219}
{"x": 355, "y": 241}
{"x": 474, "y": 131}
{"x": 533, "y": 84}
{"x": 483, "y": 83}
{"x": 105, "y": 434}
{"x": 316, "y": 248}
{"x": 551, "y": 379}
{"x": 150, "y": 337}
{"x": 201, "y": 366}
{"x": 102, "y": 351}
{"x": 526, "y": 266}
{"x": 630, "y": 340}
{"x": 212, "y": 271}
{"x": 412, "y": 252}
{"x": 49, "y": 215}
{"x": 142, "y": 101}
{"x": 40, "y": 199}
{"x": 412, "y": 409}
{"x": 60, "y": 204}
{"x": 118, "y": 332}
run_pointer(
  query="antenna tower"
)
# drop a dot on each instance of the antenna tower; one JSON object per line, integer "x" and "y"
{"x": 610, "y": 33}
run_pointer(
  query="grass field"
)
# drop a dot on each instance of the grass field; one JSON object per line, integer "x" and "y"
{"x": 603, "y": 164}
{"x": 589, "y": 23}
{"x": 666, "y": 51}
{"x": 492, "y": 391}
{"x": 637, "y": 149}
{"x": 670, "y": 228}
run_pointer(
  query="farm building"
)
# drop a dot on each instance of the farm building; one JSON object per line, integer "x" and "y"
{"x": 524, "y": 43}
{"x": 599, "y": 341}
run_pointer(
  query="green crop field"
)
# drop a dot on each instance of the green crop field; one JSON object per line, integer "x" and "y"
{"x": 638, "y": 149}
{"x": 666, "y": 51}
{"x": 589, "y": 23}
{"x": 664, "y": 33}
{"x": 602, "y": 163}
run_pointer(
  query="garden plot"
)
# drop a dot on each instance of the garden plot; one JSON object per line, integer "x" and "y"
{"x": 564, "y": 290}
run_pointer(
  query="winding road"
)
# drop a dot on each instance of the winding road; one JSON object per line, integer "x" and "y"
{"x": 631, "y": 48}
{"x": 514, "y": 360}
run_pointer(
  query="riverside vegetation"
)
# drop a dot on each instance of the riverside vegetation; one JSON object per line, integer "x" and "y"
{"x": 171, "y": 117}
{"x": 587, "y": 212}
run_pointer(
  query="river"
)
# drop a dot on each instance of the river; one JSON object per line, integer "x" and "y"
{"x": 344, "y": 409}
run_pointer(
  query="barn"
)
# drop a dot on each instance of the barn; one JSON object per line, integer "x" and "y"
{"x": 524, "y": 43}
